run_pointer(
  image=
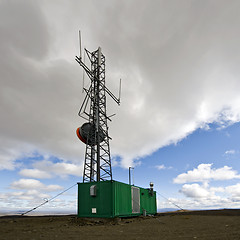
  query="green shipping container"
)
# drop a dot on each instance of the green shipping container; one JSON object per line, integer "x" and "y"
{"x": 108, "y": 199}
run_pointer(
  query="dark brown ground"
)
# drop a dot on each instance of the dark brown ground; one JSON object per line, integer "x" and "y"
{"x": 217, "y": 224}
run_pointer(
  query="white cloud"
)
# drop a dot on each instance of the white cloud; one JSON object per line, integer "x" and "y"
{"x": 208, "y": 196}
{"x": 31, "y": 192}
{"x": 26, "y": 200}
{"x": 35, "y": 173}
{"x": 194, "y": 191}
{"x": 27, "y": 184}
{"x": 162, "y": 167}
{"x": 217, "y": 189}
{"x": 205, "y": 172}
{"x": 234, "y": 190}
{"x": 47, "y": 169}
{"x": 61, "y": 169}
{"x": 205, "y": 197}
{"x": 230, "y": 152}
{"x": 33, "y": 184}
{"x": 30, "y": 195}
{"x": 9, "y": 154}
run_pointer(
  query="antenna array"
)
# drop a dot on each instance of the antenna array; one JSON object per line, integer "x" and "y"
{"x": 94, "y": 133}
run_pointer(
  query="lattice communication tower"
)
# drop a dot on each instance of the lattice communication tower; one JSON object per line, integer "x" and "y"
{"x": 94, "y": 133}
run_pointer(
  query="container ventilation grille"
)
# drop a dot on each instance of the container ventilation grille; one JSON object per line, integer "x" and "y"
{"x": 135, "y": 200}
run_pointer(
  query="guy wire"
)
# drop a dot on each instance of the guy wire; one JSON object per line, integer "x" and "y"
{"x": 48, "y": 200}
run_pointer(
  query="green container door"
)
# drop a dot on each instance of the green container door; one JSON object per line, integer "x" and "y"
{"x": 109, "y": 199}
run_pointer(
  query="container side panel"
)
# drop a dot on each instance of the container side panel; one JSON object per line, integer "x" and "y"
{"x": 148, "y": 201}
{"x": 105, "y": 206}
{"x": 112, "y": 199}
{"x": 83, "y": 199}
{"x": 123, "y": 199}
{"x": 95, "y": 206}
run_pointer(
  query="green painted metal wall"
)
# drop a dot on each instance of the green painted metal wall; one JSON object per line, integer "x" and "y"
{"x": 113, "y": 199}
{"x": 122, "y": 204}
{"x": 103, "y": 202}
{"x": 148, "y": 201}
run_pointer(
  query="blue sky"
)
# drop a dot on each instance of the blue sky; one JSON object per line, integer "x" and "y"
{"x": 216, "y": 146}
{"x": 178, "y": 123}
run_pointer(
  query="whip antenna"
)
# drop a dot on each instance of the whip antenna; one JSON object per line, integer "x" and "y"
{"x": 83, "y": 84}
{"x": 120, "y": 89}
{"x": 80, "y": 45}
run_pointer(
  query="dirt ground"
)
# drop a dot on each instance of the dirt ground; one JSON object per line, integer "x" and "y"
{"x": 217, "y": 224}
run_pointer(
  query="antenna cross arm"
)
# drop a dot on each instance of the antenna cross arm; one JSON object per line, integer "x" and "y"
{"x": 117, "y": 100}
{"x": 88, "y": 71}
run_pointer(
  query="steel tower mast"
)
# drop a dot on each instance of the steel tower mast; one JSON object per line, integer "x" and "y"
{"x": 94, "y": 133}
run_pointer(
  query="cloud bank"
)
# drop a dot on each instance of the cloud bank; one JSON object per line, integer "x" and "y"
{"x": 178, "y": 62}
{"x": 199, "y": 190}
{"x": 204, "y": 172}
